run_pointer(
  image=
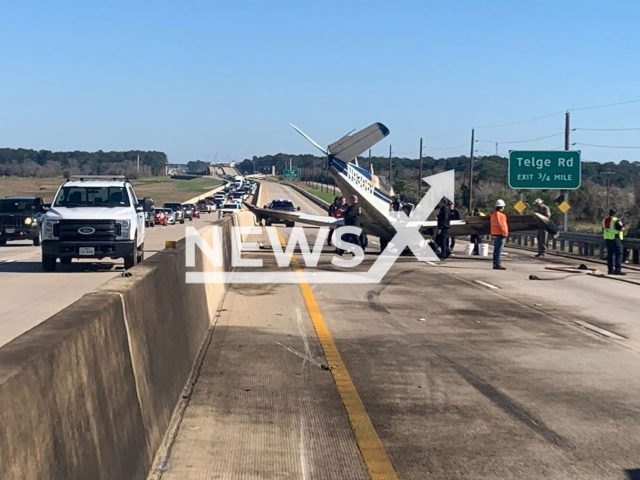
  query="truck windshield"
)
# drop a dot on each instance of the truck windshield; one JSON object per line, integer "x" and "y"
{"x": 282, "y": 205}
{"x": 15, "y": 205}
{"x": 92, "y": 197}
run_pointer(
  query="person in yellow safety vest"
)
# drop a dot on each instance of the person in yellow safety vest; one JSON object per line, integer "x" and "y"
{"x": 613, "y": 234}
{"x": 499, "y": 232}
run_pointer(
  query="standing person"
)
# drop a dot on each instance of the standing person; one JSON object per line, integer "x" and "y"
{"x": 545, "y": 211}
{"x": 499, "y": 232}
{"x": 352, "y": 219}
{"x": 396, "y": 204}
{"x": 613, "y": 234}
{"x": 453, "y": 215}
{"x": 333, "y": 208}
{"x": 475, "y": 239}
{"x": 442, "y": 230}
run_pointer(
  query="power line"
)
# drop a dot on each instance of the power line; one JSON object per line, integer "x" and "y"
{"x": 605, "y": 105}
{"x": 446, "y": 134}
{"x": 603, "y": 146}
{"x": 607, "y": 129}
{"x": 524, "y": 141}
{"x": 447, "y": 148}
{"x": 541, "y": 117}
{"x": 522, "y": 121}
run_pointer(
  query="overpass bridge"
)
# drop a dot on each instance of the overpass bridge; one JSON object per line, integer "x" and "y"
{"x": 443, "y": 370}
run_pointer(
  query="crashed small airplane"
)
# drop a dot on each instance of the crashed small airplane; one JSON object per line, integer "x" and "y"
{"x": 375, "y": 198}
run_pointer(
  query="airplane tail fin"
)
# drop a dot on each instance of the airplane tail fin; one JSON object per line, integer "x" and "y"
{"x": 351, "y": 146}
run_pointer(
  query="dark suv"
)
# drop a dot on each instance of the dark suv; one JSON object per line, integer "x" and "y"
{"x": 20, "y": 219}
{"x": 285, "y": 206}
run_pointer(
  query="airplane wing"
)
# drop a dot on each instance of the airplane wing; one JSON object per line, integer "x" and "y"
{"x": 297, "y": 217}
{"x": 482, "y": 225}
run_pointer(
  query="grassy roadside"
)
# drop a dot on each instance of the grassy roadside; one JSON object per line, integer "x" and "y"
{"x": 161, "y": 189}
{"x": 322, "y": 194}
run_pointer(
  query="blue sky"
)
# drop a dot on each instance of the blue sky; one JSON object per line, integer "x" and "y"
{"x": 195, "y": 78}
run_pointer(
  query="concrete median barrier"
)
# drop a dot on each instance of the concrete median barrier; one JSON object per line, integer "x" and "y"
{"x": 68, "y": 403}
{"x": 90, "y": 392}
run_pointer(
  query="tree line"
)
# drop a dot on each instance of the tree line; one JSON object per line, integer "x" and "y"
{"x": 44, "y": 163}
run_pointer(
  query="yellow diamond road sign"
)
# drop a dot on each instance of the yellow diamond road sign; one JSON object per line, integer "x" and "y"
{"x": 520, "y": 206}
{"x": 564, "y": 207}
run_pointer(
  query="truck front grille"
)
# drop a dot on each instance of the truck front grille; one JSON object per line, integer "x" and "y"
{"x": 11, "y": 221}
{"x": 103, "y": 230}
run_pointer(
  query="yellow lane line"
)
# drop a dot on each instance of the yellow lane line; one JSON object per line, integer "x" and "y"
{"x": 373, "y": 453}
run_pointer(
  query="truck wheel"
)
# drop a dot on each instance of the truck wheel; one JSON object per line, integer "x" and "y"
{"x": 3, "y": 242}
{"x": 65, "y": 260}
{"x": 140, "y": 254}
{"x": 182, "y": 221}
{"x": 153, "y": 224}
{"x": 131, "y": 258}
{"x": 48, "y": 263}
{"x": 36, "y": 241}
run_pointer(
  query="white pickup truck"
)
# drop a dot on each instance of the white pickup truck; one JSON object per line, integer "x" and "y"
{"x": 94, "y": 217}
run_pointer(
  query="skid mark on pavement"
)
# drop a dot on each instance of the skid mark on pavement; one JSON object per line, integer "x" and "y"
{"x": 505, "y": 403}
{"x": 373, "y": 453}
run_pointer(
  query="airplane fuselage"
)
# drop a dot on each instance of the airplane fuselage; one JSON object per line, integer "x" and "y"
{"x": 353, "y": 180}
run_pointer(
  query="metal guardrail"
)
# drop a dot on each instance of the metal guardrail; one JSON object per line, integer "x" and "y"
{"x": 581, "y": 244}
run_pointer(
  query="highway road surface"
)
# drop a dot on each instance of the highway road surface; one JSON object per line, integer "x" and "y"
{"x": 449, "y": 370}
{"x": 30, "y": 296}
{"x": 229, "y": 171}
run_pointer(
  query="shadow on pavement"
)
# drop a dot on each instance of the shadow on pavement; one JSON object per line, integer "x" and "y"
{"x": 36, "y": 267}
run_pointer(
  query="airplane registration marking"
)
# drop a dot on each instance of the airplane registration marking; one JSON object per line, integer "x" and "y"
{"x": 359, "y": 180}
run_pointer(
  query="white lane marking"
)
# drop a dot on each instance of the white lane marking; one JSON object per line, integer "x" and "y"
{"x": 304, "y": 465}
{"x": 307, "y": 350}
{"x": 599, "y": 330}
{"x": 488, "y": 285}
{"x": 431, "y": 263}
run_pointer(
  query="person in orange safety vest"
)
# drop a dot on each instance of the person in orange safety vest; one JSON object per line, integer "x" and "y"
{"x": 499, "y": 232}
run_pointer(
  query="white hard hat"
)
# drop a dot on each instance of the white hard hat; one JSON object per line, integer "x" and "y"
{"x": 500, "y": 203}
{"x": 537, "y": 201}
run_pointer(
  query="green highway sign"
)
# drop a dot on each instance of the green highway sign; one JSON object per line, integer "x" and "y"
{"x": 544, "y": 170}
{"x": 291, "y": 174}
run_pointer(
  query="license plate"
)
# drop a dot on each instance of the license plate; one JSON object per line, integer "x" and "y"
{"x": 10, "y": 230}
{"x": 86, "y": 251}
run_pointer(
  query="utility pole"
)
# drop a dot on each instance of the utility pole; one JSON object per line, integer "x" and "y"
{"x": 496, "y": 149}
{"x": 608, "y": 174}
{"x": 420, "y": 174}
{"x": 473, "y": 136}
{"x": 390, "y": 169}
{"x": 567, "y": 145}
{"x": 369, "y": 159}
{"x": 138, "y": 163}
{"x": 567, "y": 129}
